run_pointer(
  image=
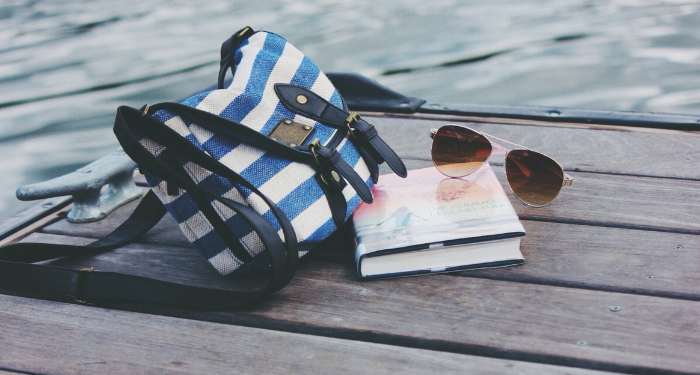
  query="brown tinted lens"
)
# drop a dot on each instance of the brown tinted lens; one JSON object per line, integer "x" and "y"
{"x": 534, "y": 178}
{"x": 459, "y": 151}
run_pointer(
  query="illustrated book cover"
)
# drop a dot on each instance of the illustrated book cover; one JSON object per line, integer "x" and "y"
{"x": 430, "y": 223}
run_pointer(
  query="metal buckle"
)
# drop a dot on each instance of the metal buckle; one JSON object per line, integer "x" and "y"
{"x": 352, "y": 119}
{"x": 313, "y": 145}
{"x": 145, "y": 110}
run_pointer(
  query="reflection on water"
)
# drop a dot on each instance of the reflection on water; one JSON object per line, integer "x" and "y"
{"x": 66, "y": 66}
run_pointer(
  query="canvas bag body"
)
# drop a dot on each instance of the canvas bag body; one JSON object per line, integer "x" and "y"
{"x": 261, "y": 60}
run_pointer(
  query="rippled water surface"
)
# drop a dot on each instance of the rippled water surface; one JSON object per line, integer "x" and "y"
{"x": 66, "y": 66}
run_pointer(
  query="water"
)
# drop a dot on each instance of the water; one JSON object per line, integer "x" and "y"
{"x": 66, "y": 66}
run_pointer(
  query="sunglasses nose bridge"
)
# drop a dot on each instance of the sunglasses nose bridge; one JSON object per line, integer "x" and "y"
{"x": 497, "y": 149}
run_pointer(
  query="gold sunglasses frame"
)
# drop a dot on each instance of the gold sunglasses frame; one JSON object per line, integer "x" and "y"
{"x": 567, "y": 181}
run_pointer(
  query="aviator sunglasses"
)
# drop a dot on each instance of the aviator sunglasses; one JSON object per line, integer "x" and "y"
{"x": 534, "y": 178}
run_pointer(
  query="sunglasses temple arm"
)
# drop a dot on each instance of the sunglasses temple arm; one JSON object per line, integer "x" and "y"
{"x": 503, "y": 140}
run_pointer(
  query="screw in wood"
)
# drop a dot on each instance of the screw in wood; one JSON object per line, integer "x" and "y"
{"x": 581, "y": 343}
{"x": 615, "y": 308}
{"x": 649, "y": 276}
{"x": 679, "y": 247}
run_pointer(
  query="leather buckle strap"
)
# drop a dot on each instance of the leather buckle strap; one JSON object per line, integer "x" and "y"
{"x": 319, "y": 109}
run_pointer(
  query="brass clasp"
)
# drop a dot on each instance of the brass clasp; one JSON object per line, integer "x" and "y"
{"x": 352, "y": 119}
{"x": 313, "y": 146}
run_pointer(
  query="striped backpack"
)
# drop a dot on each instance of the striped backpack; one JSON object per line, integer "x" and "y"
{"x": 258, "y": 172}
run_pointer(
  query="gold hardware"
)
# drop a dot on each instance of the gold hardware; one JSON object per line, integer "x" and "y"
{"x": 291, "y": 133}
{"x": 243, "y": 31}
{"x": 145, "y": 110}
{"x": 301, "y": 99}
{"x": 353, "y": 118}
{"x": 336, "y": 176}
{"x": 315, "y": 144}
{"x": 90, "y": 269}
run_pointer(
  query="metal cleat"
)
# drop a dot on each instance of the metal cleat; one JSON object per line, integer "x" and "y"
{"x": 85, "y": 185}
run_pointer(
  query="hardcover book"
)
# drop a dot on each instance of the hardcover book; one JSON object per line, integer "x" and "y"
{"x": 430, "y": 223}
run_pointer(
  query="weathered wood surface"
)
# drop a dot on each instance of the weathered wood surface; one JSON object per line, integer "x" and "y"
{"x": 55, "y": 338}
{"x": 594, "y": 199}
{"x": 613, "y": 259}
{"x": 626, "y": 150}
{"x": 30, "y": 215}
{"x": 626, "y": 235}
{"x": 613, "y": 200}
{"x": 509, "y": 320}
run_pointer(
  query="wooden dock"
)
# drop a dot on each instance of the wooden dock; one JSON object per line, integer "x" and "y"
{"x": 611, "y": 283}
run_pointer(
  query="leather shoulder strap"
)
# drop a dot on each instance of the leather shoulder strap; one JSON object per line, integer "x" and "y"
{"x": 18, "y": 274}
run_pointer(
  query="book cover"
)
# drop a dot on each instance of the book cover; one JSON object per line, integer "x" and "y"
{"x": 428, "y": 210}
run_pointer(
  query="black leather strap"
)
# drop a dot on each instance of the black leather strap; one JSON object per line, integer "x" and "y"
{"x": 346, "y": 171}
{"x": 219, "y": 125}
{"x": 284, "y": 256}
{"x": 228, "y": 53}
{"x": 319, "y": 109}
{"x": 17, "y": 274}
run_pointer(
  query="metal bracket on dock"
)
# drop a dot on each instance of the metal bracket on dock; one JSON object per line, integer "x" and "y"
{"x": 85, "y": 185}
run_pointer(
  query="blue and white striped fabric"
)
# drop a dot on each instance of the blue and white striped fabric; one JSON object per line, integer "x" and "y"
{"x": 261, "y": 61}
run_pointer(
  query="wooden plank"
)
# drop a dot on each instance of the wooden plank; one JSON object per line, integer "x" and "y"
{"x": 94, "y": 340}
{"x": 590, "y": 257}
{"x": 673, "y": 154}
{"x": 507, "y": 320}
{"x": 31, "y": 215}
{"x": 166, "y": 232}
{"x": 594, "y": 199}
{"x": 494, "y": 318}
{"x": 648, "y": 203}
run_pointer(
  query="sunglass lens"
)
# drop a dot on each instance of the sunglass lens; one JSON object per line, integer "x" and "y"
{"x": 535, "y": 179}
{"x": 459, "y": 151}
